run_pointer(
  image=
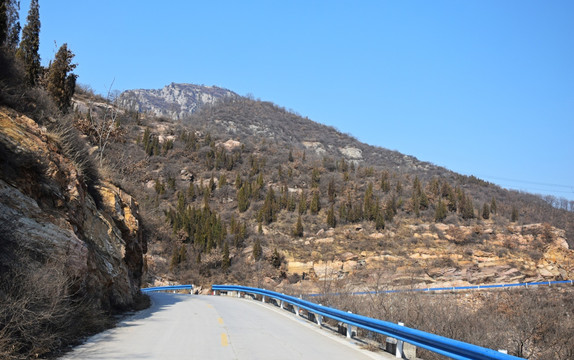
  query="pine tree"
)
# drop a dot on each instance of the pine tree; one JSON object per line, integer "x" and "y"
{"x": 238, "y": 182}
{"x": 291, "y": 203}
{"x": 485, "y": 211}
{"x": 242, "y": 199}
{"x": 225, "y": 261}
{"x": 9, "y": 23}
{"x": 331, "y": 220}
{"x": 3, "y": 21}
{"x": 385, "y": 183}
{"x": 391, "y": 208}
{"x": 399, "y": 187}
{"x": 269, "y": 209}
{"x": 222, "y": 180}
{"x": 332, "y": 191}
{"x": 13, "y": 24}
{"x": 315, "y": 178}
{"x": 276, "y": 259}
{"x": 60, "y": 82}
{"x": 30, "y": 44}
{"x": 419, "y": 199}
{"x": 257, "y": 249}
{"x": 493, "y": 206}
{"x": 146, "y": 139}
{"x": 298, "y": 230}
{"x": 369, "y": 203}
{"x": 467, "y": 207}
{"x": 315, "y": 206}
{"x": 303, "y": 203}
{"x": 379, "y": 219}
{"x": 440, "y": 211}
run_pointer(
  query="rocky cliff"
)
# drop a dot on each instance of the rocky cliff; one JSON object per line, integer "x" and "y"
{"x": 175, "y": 101}
{"x": 48, "y": 215}
{"x": 435, "y": 255}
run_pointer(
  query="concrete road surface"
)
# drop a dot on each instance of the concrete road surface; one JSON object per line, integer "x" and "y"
{"x": 179, "y": 326}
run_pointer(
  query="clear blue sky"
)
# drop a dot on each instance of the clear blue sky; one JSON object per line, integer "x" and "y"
{"x": 480, "y": 87}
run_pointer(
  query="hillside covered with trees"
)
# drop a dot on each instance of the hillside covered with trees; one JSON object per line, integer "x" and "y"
{"x": 244, "y": 186}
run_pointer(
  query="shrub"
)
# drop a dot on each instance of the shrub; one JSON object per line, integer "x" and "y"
{"x": 40, "y": 311}
{"x": 76, "y": 149}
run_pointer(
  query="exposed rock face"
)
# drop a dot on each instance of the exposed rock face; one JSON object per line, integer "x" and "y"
{"x": 175, "y": 101}
{"x": 47, "y": 213}
{"x": 508, "y": 254}
{"x": 352, "y": 153}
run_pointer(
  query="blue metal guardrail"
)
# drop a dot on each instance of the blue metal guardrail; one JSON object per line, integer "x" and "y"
{"x": 449, "y": 288}
{"x": 441, "y": 345}
{"x": 167, "y": 288}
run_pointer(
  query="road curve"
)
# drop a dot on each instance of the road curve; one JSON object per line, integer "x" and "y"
{"x": 179, "y": 326}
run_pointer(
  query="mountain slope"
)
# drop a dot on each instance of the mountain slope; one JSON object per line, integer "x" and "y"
{"x": 248, "y": 120}
{"x": 239, "y": 173}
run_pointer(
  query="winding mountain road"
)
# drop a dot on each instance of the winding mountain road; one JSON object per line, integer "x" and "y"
{"x": 179, "y": 326}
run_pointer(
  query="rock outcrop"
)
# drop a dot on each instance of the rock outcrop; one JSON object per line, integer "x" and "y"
{"x": 175, "y": 101}
{"x": 436, "y": 256}
{"x": 47, "y": 214}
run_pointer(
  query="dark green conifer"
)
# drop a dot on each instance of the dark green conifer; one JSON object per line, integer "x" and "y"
{"x": 331, "y": 220}
{"x": 385, "y": 183}
{"x": 242, "y": 199}
{"x": 29, "y": 48}
{"x": 13, "y": 24}
{"x": 302, "y": 203}
{"x": 298, "y": 230}
{"x": 3, "y": 21}
{"x": 257, "y": 249}
{"x": 315, "y": 178}
{"x": 440, "y": 211}
{"x": 369, "y": 203}
{"x": 276, "y": 259}
{"x": 315, "y": 205}
{"x": 485, "y": 211}
{"x": 379, "y": 218}
{"x": 225, "y": 260}
{"x": 332, "y": 191}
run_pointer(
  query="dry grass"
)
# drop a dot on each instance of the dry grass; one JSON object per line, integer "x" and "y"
{"x": 529, "y": 323}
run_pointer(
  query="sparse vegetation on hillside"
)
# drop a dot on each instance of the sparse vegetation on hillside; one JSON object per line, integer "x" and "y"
{"x": 252, "y": 163}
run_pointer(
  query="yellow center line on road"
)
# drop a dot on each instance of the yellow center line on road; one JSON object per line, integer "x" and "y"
{"x": 224, "y": 341}
{"x": 220, "y": 321}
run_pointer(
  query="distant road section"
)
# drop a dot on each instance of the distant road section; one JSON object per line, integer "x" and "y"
{"x": 179, "y": 326}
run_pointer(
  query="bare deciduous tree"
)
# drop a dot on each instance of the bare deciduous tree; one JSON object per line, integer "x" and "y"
{"x": 104, "y": 122}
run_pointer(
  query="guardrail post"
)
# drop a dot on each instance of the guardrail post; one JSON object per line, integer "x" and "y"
{"x": 296, "y": 308}
{"x": 400, "y": 343}
{"x": 263, "y": 299}
{"x": 282, "y": 305}
{"x": 319, "y": 318}
{"x": 349, "y": 329}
